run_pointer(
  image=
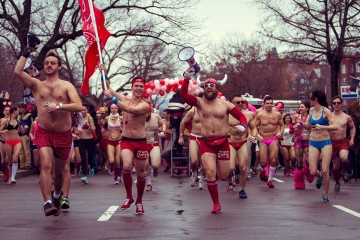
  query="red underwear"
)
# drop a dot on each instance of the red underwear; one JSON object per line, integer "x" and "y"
{"x": 13, "y": 142}
{"x": 137, "y": 146}
{"x": 150, "y": 146}
{"x": 60, "y": 142}
{"x": 216, "y": 145}
{"x": 237, "y": 145}
{"x": 339, "y": 145}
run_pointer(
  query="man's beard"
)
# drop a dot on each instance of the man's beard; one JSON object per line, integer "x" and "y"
{"x": 212, "y": 96}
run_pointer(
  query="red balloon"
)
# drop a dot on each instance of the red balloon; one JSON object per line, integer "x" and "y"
{"x": 161, "y": 93}
{"x": 175, "y": 86}
{"x": 151, "y": 85}
{"x": 169, "y": 85}
{"x": 195, "y": 82}
{"x": 147, "y": 85}
{"x": 162, "y": 82}
{"x": 168, "y": 90}
{"x": 181, "y": 82}
{"x": 145, "y": 95}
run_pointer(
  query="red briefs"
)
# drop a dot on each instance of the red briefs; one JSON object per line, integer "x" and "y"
{"x": 138, "y": 146}
{"x": 196, "y": 138}
{"x": 338, "y": 145}
{"x": 60, "y": 142}
{"x": 13, "y": 142}
{"x": 150, "y": 146}
{"x": 113, "y": 143}
{"x": 237, "y": 145}
{"x": 216, "y": 145}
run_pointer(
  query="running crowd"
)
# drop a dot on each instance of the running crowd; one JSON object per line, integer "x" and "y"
{"x": 127, "y": 136}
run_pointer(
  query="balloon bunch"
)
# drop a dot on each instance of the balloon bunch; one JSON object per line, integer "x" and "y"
{"x": 164, "y": 86}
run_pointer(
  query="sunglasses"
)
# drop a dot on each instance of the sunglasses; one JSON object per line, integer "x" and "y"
{"x": 240, "y": 102}
{"x": 336, "y": 103}
{"x": 209, "y": 85}
{"x": 50, "y": 62}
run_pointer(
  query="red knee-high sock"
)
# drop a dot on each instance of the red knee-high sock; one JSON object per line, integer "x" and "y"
{"x": 5, "y": 168}
{"x": 117, "y": 172}
{"x": 140, "y": 186}
{"x": 336, "y": 173}
{"x": 127, "y": 178}
{"x": 213, "y": 190}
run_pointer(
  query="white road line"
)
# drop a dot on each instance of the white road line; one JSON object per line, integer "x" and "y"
{"x": 277, "y": 180}
{"x": 347, "y": 210}
{"x": 108, "y": 214}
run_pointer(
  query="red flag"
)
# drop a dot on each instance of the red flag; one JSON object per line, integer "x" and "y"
{"x": 92, "y": 57}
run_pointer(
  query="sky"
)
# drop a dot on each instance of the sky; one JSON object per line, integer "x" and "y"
{"x": 224, "y": 17}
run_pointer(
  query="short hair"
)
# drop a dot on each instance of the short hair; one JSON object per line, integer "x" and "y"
{"x": 234, "y": 96}
{"x": 337, "y": 97}
{"x": 52, "y": 53}
{"x": 267, "y": 97}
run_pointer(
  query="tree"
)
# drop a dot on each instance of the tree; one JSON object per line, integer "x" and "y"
{"x": 314, "y": 28}
{"x": 58, "y": 24}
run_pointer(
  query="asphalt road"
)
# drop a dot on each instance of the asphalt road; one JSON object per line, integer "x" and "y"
{"x": 174, "y": 210}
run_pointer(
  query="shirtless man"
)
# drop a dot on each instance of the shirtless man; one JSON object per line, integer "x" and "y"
{"x": 153, "y": 123}
{"x": 133, "y": 142}
{"x": 55, "y": 99}
{"x": 192, "y": 119}
{"x": 239, "y": 151}
{"x": 269, "y": 129}
{"x": 340, "y": 142}
{"x": 214, "y": 145}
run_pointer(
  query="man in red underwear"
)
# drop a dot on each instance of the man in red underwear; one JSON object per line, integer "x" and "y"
{"x": 214, "y": 146}
{"x": 269, "y": 129}
{"x": 133, "y": 142}
{"x": 55, "y": 99}
{"x": 239, "y": 150}
{"x": 340, "y": 142}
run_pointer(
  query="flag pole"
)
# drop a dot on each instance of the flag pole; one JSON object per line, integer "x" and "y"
{"x": 93, "y": 20}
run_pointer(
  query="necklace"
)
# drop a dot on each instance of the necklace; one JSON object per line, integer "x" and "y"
{"x": 127, "y": 114}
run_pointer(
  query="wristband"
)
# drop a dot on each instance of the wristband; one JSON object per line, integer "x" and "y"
{"x": 106, "y": 77}
{"x": 25, "y": 53}
{"x": 114, "y": 99}
{"x": 59, "y": 106}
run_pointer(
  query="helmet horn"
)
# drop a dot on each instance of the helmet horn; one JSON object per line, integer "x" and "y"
{"x": 223, "y": 81}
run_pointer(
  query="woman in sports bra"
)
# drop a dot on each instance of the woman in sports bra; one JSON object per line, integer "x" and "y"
{"x": 114, "y": 130}
{"x": 287, "y": 145}
{"x": 4, "y": 164}
{"x": 12, "y": 141}
{"x": 321, "y": 122}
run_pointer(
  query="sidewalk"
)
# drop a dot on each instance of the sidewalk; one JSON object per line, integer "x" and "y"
{"x": 20, "y": 173}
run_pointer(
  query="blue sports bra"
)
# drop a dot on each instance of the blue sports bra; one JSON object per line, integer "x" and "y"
{"x": 320, "y": 121}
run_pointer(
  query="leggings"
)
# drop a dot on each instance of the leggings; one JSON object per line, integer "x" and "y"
{"x": 86, "y": 146}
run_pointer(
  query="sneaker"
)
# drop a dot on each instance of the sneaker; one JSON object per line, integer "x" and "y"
{"x": 346, "y": 177}
{"x": 64, "y": 201}
{"x": 84, "y": 180}
{"x": 116, "y": 181}
{"x": 201, "y": 185}
{"x": 216, "y": 209}
{"x": 270, "y": 184}
{"x": 12, "y": 181}
{"x": 111, "y": 170}
{"x": 193, "y": 180}
{"x": 50, "y": 209}
{"x": 91, "y": 172}
{"x": 318, "y": 183}
{"x": 127, "y": 203}
{"x": 230, "y": 188}
{"x": 242, "y": 194}
{"x": 263, "y": 176}
{"x": 325, "y": 198}
{"x": 57, "y": 203}
{"x": 337, "y": 188}
{"x": 148, "y": 187}
{"x": 139, "y": 209}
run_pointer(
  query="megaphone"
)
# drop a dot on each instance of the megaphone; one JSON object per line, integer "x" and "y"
{"x": 187, "y": 54}
{"x": 354, "y": 83}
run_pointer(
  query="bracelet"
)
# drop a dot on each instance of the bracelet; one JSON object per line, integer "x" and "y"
{"x": 114, "y": 99}
{"x": 59, "y": 106}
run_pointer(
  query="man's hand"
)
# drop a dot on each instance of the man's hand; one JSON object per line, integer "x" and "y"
{"x": 107, "y": 93}
{"x": 50, "y": 107}
{"x": 189, "y": 73}
{"x": 181, "y": 140}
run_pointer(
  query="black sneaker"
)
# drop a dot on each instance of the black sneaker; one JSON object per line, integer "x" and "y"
{"x": 50, "y": 209}
{"x": 57, "y": 203}
{"x": 242, "y": 194}
{"x": 346, "y": 178}
{"x": 64, "y": 202}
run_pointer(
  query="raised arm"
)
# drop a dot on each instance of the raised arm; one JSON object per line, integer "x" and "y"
{"x": 188, "y": 98}
{"x": 25, "y": 78}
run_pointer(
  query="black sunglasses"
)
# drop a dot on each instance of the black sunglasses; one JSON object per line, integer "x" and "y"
{"x": 241, "y": 102}
{"x": 336, "y": 103}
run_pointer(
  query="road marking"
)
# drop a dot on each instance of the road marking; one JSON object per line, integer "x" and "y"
{"x": 108, "y": 214}
{"x": 356, "y": 214}
{"x": 277, "y": 180}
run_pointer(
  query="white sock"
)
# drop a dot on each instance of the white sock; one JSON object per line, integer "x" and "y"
{"x": 271, "y": 172}
{"x": 48, "y": 201}
{"x": 148, "y": 180}
{"x": 56, "y": 196}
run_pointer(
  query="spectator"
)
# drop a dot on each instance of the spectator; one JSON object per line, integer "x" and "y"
{"x": 25, "y": 119}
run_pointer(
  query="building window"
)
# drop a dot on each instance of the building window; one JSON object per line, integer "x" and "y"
{"x": 343, "y": 68}
{"x": 358, "y": 67}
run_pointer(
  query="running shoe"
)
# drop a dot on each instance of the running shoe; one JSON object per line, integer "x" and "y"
{"x": 216, "y": 209}
{"x": 116, "y": 181}
{"x": 139, "y": 209}
{"x": 148, "y": 187}
{"x": 337, "y": 187}
{"x": 193, "y": 180}
{"x": 270, "y": 184}
{"x": 57, "y": 203}
{"x": 84, "y": 180}
{"x": 127, "y": 203}
{"x": 325, "y": 198}
{"x": 319, "y": 182}
{"x": 242, "y": 194}
{"x": 346, "y": 177}
{"x": 50, "y": 209}
{"x": 64, "y": 201}
{"x": 230, "y": 188}
{"x": 91, "y": 172}
{"x": 111, "y": 170}
{"x": 12, "y": 180}
{"x": 201, "y": 184}
{"x": 263, "y": 176}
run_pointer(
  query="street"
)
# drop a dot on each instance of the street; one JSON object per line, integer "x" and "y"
{"x": 174, "y": 210}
